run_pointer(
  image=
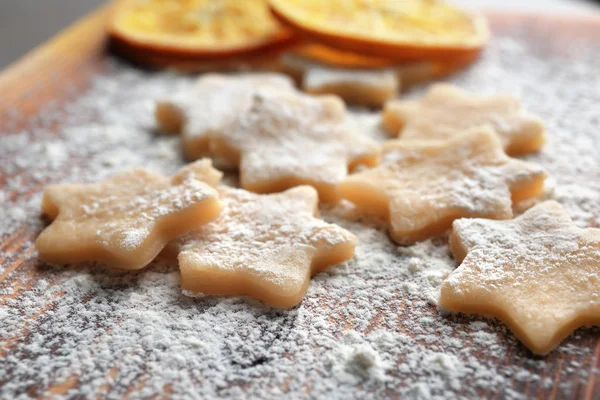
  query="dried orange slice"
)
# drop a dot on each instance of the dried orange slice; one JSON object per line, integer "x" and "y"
{"x": 347, "y": 59}
{"x": 197, "y": 28}
{"x": 340, "y": 58}
{"x": 400, "y": 30}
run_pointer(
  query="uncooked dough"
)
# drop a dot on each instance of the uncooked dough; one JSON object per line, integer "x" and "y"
{"x": 264, "y": 246}
{"x": 125, "y": 221}
{"x": 421, "y": 187}
{"x": 447, "y": 110}
{"x": 287, "y": 139}
{"x": 539, "y": 273}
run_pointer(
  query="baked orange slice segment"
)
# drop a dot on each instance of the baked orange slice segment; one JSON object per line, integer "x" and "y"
{"x": 410, "y": 71}
{"x": 197, "y": 28}
{"x": 400, "y": 30}
{"x": 340, "y": 58}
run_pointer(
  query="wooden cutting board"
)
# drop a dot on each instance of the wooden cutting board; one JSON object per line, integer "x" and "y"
{"x": 74, "y": 56}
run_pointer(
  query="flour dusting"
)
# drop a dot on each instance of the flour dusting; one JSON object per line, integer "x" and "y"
{"x": 367, "y": 328}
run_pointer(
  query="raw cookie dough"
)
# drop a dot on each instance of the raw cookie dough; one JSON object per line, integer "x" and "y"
{"x": 538, "y": 273}
{"x": 287, "y": 139}
{"x": 421, "y": 187}
{"x": 447, "y": 110}
{"x": 212, "y": 106}
{"x": 370, "y": 88}
{"x": 265, "y": 246}
{"x": 407, "y": 74}
{"x": 296, "y": 66}
{"x": 125, "y": 221}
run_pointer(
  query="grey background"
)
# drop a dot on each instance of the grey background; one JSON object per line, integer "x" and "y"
{"x": 26, "y": 23}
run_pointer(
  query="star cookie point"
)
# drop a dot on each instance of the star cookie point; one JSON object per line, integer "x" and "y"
{"x": 446, "y": 110}
{"x": 538, "y": 273}
{"x": 421, "y": 187}
{"x": 126, "y": 220}
{"x": 265, "y": 246}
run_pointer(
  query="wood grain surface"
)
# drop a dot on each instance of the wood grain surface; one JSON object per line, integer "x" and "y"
{"x": 72, "y": 58}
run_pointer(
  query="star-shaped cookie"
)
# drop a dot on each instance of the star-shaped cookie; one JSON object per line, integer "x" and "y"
{"x": 211, "y": 106}
{"x": 370, "y": 88}
{"x": 288, "y": 139}
{"x": 265, "y": 246}
{"x": 538, "y": 273}
{"x": 447, "y": 110}
{"x": 125, "y": 221}
{"x": 421, "y": 187}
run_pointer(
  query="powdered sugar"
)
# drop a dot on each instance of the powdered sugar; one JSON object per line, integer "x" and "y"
{"x": 114, "y": 333}
{"x": 134, "y": 237}
{"x": 355, "y": 360}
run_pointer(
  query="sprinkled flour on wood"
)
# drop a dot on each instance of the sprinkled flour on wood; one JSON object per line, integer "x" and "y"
{"x": 368, "y": 327}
